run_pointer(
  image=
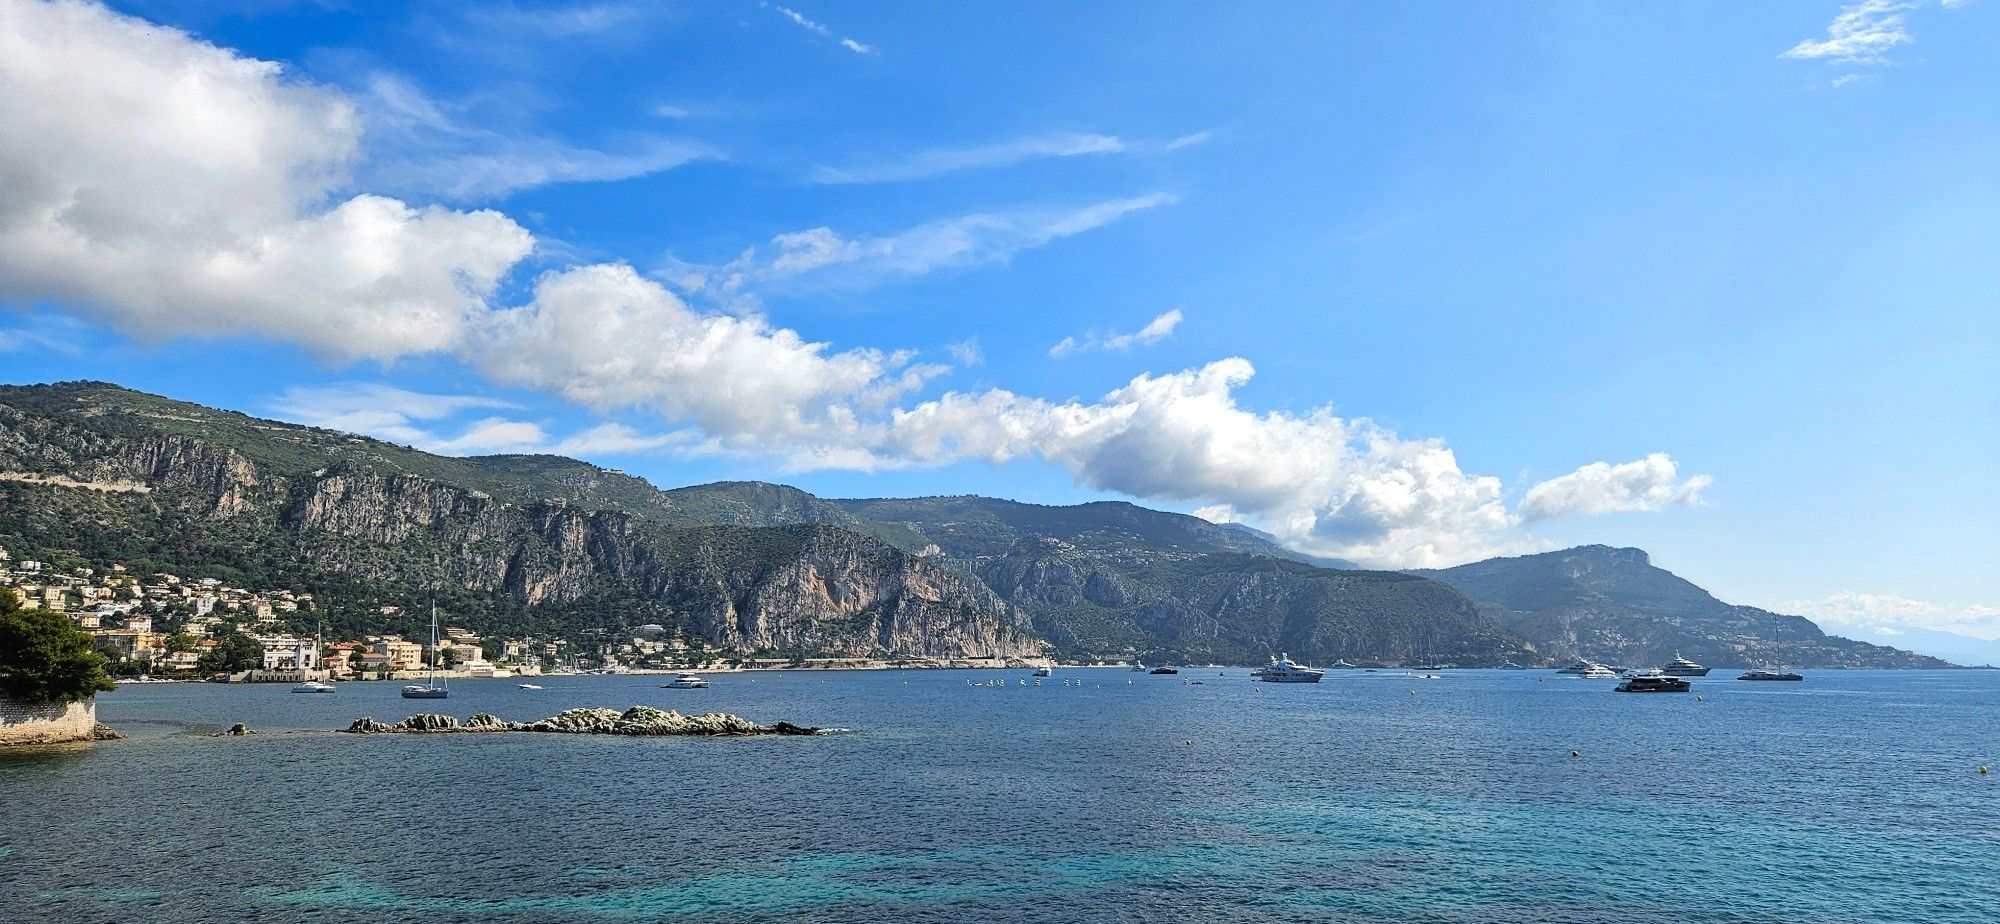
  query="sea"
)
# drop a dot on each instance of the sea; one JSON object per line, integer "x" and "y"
{"x": 984, "y": 796}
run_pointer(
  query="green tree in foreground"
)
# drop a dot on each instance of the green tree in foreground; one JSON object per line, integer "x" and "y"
{"x": 44, "y": 659}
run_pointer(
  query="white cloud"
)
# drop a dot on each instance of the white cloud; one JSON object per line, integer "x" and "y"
{"x": 605, "y": 337}
{"x": 1863, "y": 33}
{"x": 1649, "y": 484}
{"x": 418, "y": 147}
{"x": 166, "y": 187}
{"x": 821, "y": 256}
{"x": 1327, "y": 484}
{"x": 427, "y": 421}
{"x": 1159, "y": 328}
{"x": 966, "y": 352}
{"x": 941, "y": 161}
{"x": 802, "y": 22}
{"x": 170, "y": 187}
{"x": 1863, "y": 613}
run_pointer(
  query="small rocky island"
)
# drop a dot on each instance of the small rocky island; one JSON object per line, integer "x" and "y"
{"x": 638, "y": 721}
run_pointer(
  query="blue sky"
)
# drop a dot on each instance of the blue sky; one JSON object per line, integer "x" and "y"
{"x": 1410, "y": 283}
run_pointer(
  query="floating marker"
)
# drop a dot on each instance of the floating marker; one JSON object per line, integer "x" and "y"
{"x": 1576, "y": 753}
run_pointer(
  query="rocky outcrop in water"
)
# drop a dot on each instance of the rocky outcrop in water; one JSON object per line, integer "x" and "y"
{"x": 639, "y": 721}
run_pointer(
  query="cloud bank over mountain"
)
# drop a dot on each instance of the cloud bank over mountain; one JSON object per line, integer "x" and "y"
{"x": 166, "y": 187}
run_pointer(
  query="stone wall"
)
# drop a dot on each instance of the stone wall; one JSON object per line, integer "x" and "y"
{"x": 24, "y": 724}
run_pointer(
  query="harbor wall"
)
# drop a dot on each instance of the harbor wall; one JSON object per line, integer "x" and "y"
{"x": 21, "y": 723}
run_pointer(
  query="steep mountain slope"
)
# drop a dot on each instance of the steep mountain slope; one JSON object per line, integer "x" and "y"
{"x": 1104, "y": 578}
{"x": 1613, "y": 605}
{"x": 521, "y": 542}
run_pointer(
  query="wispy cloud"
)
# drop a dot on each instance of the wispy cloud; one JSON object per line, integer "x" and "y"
{"x": 966, "y": 352}
{"x": 1159, "y": 328}
{"x": 584, "y": 19}
{"x": 820, "y": 30}
{"x": 1862, "y": 33}
{"x": 824, "y": 257}
{"x": 432, "y": 422}
{"x": 421, "y": 147}
{"x": 941, "y": 161}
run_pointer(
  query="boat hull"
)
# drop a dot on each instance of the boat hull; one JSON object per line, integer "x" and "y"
{"x": 425, "y": 694}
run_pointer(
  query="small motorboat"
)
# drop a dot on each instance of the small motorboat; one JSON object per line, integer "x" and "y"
{"x": 1653, "y": 682}
{"x": 685, "y": 682}
{"x": 313, "y": 686}
{"x": 1163, "y": 669}
{"x": 529, "y": 686}
{"x": 1045, "y": 670}
{"x": 1768, "y": 674}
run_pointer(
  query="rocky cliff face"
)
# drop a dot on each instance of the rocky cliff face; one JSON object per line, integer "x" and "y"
{"x": 815, "y": 589}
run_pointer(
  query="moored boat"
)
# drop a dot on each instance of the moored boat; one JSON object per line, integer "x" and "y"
{"x": 1653, "y": 682}
{"x": 1163, "y": 669}
{"x": 685, "y": 682}
{"x": 1283, "y": 669}
{"x": 1597, "y": 672}
{"x": 1764, "y": 673}
{"x": 430, "y": 688}
{"x": 1682, "y": 667}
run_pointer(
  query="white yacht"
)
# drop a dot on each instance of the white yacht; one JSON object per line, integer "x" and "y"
{"x": 1283, "y": 670}
{"x": 1597, "y": 672}
{"x": 430, "y": 688}
{"x": 529, "y": 686}
{"x": 1577, "y": 667}
{"x": 313, "y": 686}
{"x": 1045, "y": 670}
{"x": 685, "y": 682}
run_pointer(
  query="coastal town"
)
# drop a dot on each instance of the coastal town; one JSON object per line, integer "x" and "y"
{"x": 159, "y": 625}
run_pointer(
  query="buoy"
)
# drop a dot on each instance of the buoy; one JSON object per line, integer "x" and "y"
{"x": 1576, "y": 753}
{"x": 1413, "y": 692}
{"x": 1697, "y": 697}
{"x": 1982, "y": 769}
{"x": 1190, "y": 741}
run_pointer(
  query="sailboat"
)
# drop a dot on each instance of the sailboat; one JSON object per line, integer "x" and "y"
{"x": 299, "y": 660}
{"x": 430, "y": 688}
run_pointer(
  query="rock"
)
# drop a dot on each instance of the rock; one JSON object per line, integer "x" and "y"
{"x": 482, "y": 721}
{"x": 101, "y": 732}
{"x": 238, "y": 730}
{"x": 642, "y": 721}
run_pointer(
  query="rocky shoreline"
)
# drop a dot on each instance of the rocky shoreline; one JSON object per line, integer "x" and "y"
{"x": 643, "y": 721}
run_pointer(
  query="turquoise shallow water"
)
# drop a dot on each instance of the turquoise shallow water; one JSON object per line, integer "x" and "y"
{"x": 1850, "y": 797}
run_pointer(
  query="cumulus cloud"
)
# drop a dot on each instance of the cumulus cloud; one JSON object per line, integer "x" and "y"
{"x": 942, "y": 161}
{"x": 822, "y": 256}
{"x": 1863, "y": 613}
{"x": 1649, "y": 484}
{"x": 606, "y": 337}
{"x": 1862, "y": 33}
{"x": 1325, "y": 483}
{"x": 802, "y": 22}
{"x": 167, "y": 187}
{"x": 171, "y": 187}
{"x": 1159, "y": 328}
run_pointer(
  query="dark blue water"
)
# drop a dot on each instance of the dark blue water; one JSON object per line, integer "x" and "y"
{"x": 1850, "y": 797}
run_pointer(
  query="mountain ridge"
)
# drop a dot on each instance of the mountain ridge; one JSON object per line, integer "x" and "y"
{"x": 544, "y": 541}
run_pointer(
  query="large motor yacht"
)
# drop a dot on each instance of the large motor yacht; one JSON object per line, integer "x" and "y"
{"x": 1283, "y": 670}
{"x": 1597, "y": 672}
{"x": 685, "y": 682}
{"x": 1682, "y": 667}
{"x": 1653, "y": 682}
{"x": 1577, "y": 667}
